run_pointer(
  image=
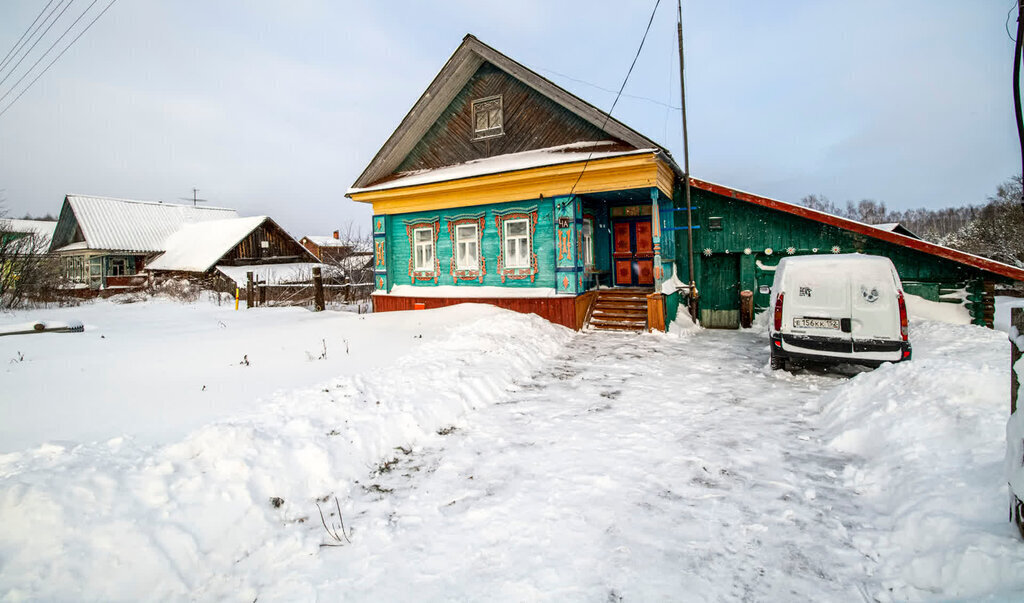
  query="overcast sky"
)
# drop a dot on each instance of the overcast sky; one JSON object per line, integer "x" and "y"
{"x": 276, "y": 107}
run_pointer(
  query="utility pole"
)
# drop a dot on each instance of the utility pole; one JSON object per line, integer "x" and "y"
{"x": 1016, "y": 87}
{"x": 694, "y": 294}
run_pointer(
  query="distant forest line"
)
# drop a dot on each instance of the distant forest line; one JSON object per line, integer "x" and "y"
{"x": 993, "y": 229}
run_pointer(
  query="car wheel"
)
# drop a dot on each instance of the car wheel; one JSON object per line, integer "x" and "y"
{"x": 776, "y": 363}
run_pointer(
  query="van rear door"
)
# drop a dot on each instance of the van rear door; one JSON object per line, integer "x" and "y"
{"x": 818, "y": 308}
{"x": 876, "y": 316}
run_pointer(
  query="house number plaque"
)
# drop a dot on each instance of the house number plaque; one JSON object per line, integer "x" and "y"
{"x": 564, "y": 222}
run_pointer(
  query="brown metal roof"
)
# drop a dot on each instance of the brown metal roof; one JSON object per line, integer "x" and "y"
{"x": 865, "y": 229}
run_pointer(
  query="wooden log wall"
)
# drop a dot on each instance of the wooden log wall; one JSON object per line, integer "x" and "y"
{"x": 559, "y": 310}
{"x": 280, "y": 248}
{"x": 530, "y": 121}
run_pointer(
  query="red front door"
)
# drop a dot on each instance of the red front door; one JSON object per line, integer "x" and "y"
{"x": 633, "y": 252}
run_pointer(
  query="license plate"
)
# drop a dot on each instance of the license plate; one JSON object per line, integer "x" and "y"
{"x": 816, "y": 323}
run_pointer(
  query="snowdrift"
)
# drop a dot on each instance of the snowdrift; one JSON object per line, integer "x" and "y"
{"x": 928, "y": 438}
{"x": 194, "y": 519}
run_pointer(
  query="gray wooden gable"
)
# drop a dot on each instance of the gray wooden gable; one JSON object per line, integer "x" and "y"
{"x": 457, "y": 73}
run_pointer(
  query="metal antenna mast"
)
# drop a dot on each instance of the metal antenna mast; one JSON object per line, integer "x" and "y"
{"x": 194, "y": 199}
{"x": 694, "y": 295}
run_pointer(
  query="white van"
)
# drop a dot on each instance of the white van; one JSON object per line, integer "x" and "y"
{"x": 837, "y": 308}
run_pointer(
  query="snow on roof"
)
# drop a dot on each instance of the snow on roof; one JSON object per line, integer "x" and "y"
{"x": 567, "y": 153}
{"x": 196, "y": 247}
{"x": 272, "y": 274}
{"x": 39, "y": 227}
{"x": 124, "y": 224}
{"x": 42, "y": 229}
{"x": 78, "y": 246}
{"x": 897, "y": 228}
{"x": 325, "y": 241}
{"x": 356, "y": 261}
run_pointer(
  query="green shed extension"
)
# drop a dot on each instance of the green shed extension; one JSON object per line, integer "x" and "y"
{"x": 739, "y": 238}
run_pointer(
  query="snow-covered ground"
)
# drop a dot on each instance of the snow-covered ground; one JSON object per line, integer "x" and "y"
{"x": 479, "y": 454}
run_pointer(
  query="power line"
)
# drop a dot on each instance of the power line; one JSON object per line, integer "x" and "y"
{"x": 43, "y": 56}
{"x": 608, "y": 115}
{"x": 18, "y": 43}
{"x": 47, "y": 68}
{"x": 569, "y": 77}
{"x": 1006, "y": 25}
{"x": 38, "y": 39}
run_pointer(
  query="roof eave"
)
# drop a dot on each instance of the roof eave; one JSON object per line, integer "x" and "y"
{"x": 462, "y": 64}
{"x": 961, "y": 257}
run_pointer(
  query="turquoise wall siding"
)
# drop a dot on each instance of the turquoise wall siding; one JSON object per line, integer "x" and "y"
{"x": 722, "y": 254}
{"x": 601, "y": 273}
{"x": 398, "y": 247}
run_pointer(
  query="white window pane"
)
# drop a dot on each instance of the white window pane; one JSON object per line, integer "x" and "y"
{"x": 518, "y": 227}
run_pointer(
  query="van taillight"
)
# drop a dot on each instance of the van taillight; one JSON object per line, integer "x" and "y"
{"x": 778, "y": 312}
{"x": 904, "y": 328}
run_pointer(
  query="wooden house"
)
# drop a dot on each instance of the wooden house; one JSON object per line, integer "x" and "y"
{"x": 34, "y": 234}
{"x": 329, "y": 250}
{"x": 108, "y": 243}
{"x": 500, "y": 187}
{"x": 231, "y": 247}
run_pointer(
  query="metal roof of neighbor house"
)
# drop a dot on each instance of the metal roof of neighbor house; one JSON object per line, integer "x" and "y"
{"x": 198, "y": 246}
{"x": 43, "y": 229}
{"x": 865, "y": 229}
{"x": 128, "y": 225}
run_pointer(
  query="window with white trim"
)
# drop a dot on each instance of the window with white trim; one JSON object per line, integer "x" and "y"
{"x": 517, "y": 244}
{"x": 587, "y": 241}
{"x": 488, "y": 117}
{"x": 467, "y": 252}
{"x": 423, "y": 244}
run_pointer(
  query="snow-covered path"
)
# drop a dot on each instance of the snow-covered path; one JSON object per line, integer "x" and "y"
{"x": 479, "y": 454}
{"x": 634, "y": 468}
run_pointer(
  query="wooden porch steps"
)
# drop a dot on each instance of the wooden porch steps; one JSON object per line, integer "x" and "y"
{"x": 620, "y": 310}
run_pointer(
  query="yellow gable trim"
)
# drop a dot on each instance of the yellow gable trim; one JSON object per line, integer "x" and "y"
{"x": 601, "y": 175}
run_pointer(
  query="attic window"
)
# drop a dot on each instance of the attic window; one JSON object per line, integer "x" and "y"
{"x": 714, "y": 223}
{"x": 488, "y": 118}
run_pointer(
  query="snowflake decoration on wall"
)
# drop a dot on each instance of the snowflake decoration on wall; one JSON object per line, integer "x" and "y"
{"x": 791, "y": 250}
{"x": 814, "y": 250}
{"x": 746, "y": 251}
{"x": 768, "y": 251}
{"x": 707, "y": 252}
{"x": 835, "y": 249}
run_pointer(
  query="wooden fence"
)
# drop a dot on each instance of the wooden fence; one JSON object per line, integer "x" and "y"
{"x": 315, "y": 293}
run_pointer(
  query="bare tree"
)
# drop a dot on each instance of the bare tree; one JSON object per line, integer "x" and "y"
{"x": 997, "y": 231}
{"x": 26, "y": 272}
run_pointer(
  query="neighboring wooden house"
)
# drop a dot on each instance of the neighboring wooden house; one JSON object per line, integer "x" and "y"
{"x": 329, "y": 250}
{"x": 40, "y": 231}
{"x": 227, "y": 248}
{"x": 500, "y": 187}
{"x": 107, "y": 243}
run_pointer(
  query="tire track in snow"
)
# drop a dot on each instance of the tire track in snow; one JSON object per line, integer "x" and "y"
{"x": 631, "y": 468}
